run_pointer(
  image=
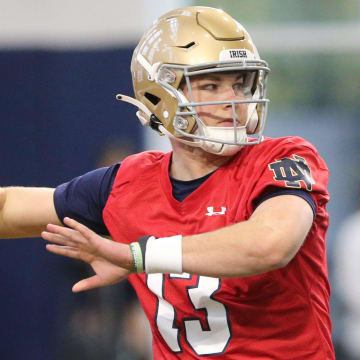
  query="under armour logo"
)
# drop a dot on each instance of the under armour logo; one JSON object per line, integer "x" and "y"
{"x": 211, "y": 211}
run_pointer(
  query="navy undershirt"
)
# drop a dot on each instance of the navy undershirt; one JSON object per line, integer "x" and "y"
{"x": 85, "y": 197}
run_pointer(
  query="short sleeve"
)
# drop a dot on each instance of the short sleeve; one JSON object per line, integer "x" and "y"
{"x": 295, "y": 192}
{"x": 292, "y": 164}
{"x": 84, "y": 197}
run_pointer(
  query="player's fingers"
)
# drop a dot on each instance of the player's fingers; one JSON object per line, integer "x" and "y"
{"x": 92, "y": 282}
{"x": 66, "y": 232}
{"x": 82, "y": 229}
{"x": 58, "y": 239}
{"x": 67, "y": 251}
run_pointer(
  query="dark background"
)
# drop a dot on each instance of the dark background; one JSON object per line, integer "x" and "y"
{"x": 57, "y": 114}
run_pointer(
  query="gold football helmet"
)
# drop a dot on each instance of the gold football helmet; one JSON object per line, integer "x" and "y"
{"x": 188, "y": 42}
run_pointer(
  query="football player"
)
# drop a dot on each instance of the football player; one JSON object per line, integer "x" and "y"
{"x": 223, "y": 238}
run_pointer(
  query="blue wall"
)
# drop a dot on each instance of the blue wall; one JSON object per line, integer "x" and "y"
{"x": 57, "y": 111}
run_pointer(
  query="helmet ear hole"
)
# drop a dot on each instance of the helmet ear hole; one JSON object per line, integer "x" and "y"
{"x": 152, "y": 98}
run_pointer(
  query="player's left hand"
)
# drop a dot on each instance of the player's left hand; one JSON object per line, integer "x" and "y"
{"x": 111, "y": 261}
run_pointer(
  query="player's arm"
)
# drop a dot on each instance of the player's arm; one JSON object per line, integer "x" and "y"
{"x": 25, "y": 211}
{"x": 267, "y": 241}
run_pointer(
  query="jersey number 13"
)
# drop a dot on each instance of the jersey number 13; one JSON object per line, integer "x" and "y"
{"x": 204, "y": 341}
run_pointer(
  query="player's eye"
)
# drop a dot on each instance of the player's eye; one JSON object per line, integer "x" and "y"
{"x": 238, "y": 86}
{"x": 208, "y": 86}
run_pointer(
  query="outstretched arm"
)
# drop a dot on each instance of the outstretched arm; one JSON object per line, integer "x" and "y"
{"x": 265, "y": 242}
{"x": 25, "y": 211}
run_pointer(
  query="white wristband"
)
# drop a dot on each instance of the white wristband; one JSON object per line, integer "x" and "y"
{"x": 164, "y": 255}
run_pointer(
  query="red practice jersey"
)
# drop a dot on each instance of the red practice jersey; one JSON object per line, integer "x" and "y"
{"x": 282, "y": 314}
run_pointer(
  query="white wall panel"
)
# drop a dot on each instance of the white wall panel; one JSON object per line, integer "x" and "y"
{"x": 77, "y": 23}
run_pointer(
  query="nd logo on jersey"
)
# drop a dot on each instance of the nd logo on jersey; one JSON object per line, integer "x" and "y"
{"x": 292, "y": 171}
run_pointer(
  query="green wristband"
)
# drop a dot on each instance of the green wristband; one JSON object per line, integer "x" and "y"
{"x": 137, "y": 257}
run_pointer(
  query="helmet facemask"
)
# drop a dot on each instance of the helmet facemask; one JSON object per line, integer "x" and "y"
{"x": 222, "y": 140}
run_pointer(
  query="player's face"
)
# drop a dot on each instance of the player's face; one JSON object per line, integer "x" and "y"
{"x": 219, "y": 87}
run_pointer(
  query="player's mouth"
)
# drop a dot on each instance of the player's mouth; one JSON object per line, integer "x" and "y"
{"x": 227, "y": 122}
